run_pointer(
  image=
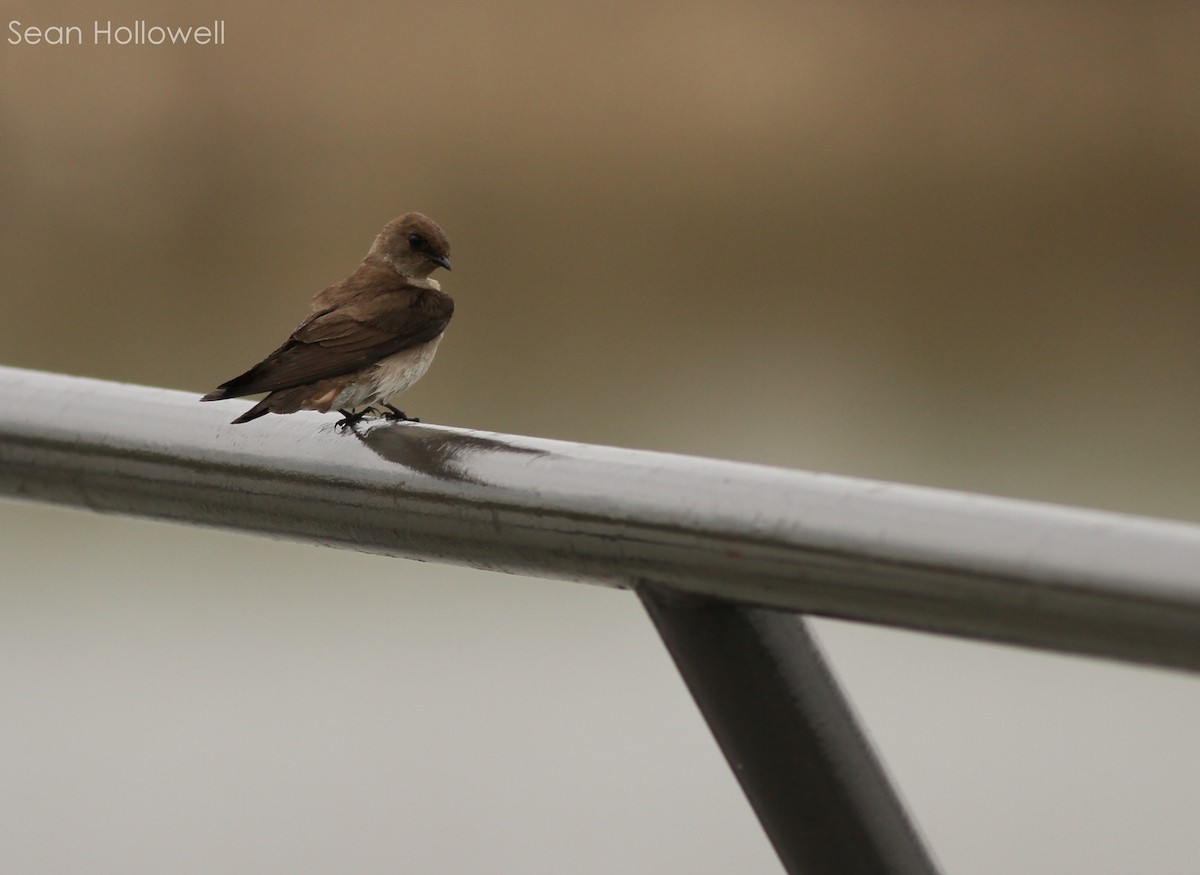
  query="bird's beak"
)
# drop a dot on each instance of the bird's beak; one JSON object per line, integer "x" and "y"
{"x": 441, "y": 261}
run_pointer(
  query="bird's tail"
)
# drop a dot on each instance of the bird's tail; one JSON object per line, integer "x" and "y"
{"x": 224, "y": 391}
{"x": 262, "y": 408}
{"x": 236, "y": 388}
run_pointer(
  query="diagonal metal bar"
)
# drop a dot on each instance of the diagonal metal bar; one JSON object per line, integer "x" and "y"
{"x": 1010, "y": 571}
{"x": 790, "y": 737}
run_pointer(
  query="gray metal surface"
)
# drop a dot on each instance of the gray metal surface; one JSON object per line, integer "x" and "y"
{"x": 790, "y": 737}
{"x": 1011, "y": 571}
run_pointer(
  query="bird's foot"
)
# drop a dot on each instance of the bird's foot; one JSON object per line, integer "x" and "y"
{"x": 349, "y": 419}
{"x": 395, "y": 414}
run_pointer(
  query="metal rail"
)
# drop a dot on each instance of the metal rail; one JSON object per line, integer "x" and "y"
{"x": 1010, "y": 571}
{"x": 717, "y": 550}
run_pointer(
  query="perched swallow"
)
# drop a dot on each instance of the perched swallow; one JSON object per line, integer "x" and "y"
{"x": 367, "y": 338}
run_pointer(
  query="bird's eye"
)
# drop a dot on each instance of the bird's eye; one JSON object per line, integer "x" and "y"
{"x": 416, "y": 241}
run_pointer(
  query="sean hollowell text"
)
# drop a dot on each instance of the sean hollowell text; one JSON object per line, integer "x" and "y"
{"x": 106, "y": 33}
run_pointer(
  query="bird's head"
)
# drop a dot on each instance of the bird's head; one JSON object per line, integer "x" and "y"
{"x": 413, "y": 245}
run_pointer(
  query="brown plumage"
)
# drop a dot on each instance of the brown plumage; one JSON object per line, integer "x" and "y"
{"x": 366, "y": 338}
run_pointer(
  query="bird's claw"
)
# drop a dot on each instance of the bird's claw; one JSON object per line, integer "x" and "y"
{"x": 395, "y": 414}
{"x": 383, "y": 411}
{"x": 349, "y": 420}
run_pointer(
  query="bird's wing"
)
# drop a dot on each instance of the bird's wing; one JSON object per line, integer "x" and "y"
{"x": 343, "y": 339}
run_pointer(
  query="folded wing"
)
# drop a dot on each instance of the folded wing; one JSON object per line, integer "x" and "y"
{"x": 343, "y": 339}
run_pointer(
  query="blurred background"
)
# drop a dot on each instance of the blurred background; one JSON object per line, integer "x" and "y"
{"x": 941, "y": 244}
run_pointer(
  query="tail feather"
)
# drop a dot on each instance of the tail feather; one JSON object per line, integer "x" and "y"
{"x": 233, "y": 389}
{"x": 224, "y": 391}
{"x": 262, "y": 408}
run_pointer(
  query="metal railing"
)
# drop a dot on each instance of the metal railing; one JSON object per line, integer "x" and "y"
{"x": 723, "y": 554}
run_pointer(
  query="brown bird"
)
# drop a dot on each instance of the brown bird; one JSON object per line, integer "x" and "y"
{"x": 367, "y": 338}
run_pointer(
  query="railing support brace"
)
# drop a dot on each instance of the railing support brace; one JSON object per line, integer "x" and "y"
{"x": 790, "y": 737}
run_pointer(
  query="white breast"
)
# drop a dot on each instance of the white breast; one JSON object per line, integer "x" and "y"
{"x": 389, "y": 377}
{"x": 396, "y": 373}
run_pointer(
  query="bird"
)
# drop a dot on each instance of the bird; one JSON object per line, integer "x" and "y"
{"x": 365, "y": 339}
